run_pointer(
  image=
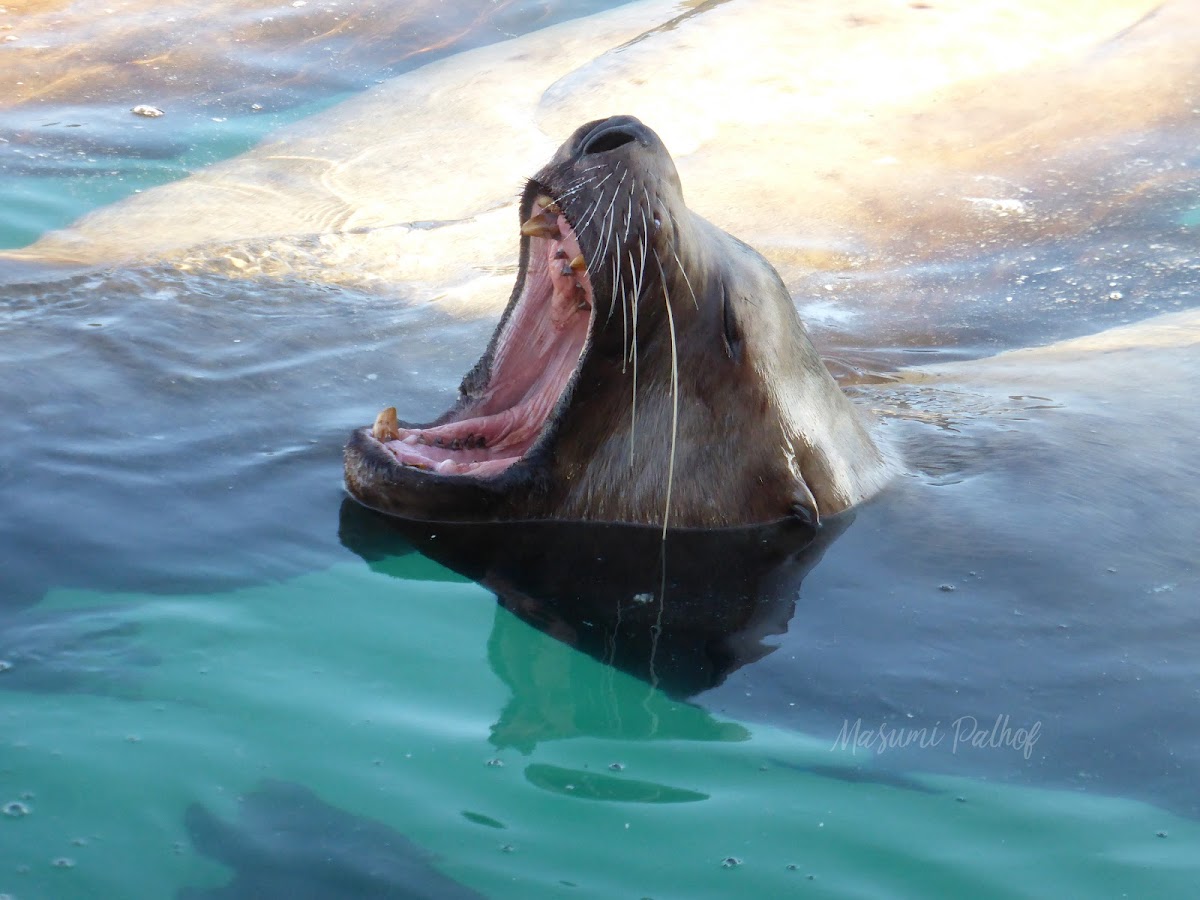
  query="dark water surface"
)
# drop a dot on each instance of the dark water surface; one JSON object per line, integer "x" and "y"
{"x": 219, "y": 678}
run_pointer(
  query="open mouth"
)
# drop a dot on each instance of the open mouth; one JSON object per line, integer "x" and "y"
{"x": 534, "y": 356}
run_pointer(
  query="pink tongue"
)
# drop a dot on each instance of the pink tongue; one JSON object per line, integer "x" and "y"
{"x": 532, "y": 363}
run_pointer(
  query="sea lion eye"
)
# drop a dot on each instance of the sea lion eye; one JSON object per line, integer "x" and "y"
{"x": 732, "y": 332}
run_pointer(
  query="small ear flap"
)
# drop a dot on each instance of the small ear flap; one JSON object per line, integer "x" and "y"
{"x": 731, "y": 328}
{"x": 804, "y": 506}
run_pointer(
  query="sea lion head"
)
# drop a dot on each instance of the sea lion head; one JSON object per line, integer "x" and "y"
{"x": 649, "y": 368}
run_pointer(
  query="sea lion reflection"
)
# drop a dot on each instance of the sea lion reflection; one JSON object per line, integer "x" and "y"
{"x": 680, "y": 615}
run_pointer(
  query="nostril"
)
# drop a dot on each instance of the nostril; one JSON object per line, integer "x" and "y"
{"x": 609, "y": 139}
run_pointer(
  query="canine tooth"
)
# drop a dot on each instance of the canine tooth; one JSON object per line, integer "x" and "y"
{"x": 578, "y": 262}
{"x": 540, "y": 226}
{"x": 548, "y": 204}
{"x": 386, "y": 427}
{"x": 565, "y": 270}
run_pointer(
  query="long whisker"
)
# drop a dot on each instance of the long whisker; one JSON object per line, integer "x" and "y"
{"x": 624, "y": 311}
{"x": 674, "y": 395}
{"x": 607, "y": 231}
{"x": 637, "y": 290}
{"x": 599, "y": 200}
{"x": 629, "y": 212}
{"x": 644, "y": 242}
{"x": 579, "y": 185}
{"x": 686, "y": 280}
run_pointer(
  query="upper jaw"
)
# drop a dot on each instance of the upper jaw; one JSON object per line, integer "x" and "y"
{"x": 512, "y": 402}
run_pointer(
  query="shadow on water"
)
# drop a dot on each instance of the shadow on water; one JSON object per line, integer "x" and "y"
{"x": 680, "y": 614}
{"x": 288, "y": 844}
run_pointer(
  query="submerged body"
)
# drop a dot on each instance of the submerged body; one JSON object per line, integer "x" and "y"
{"x": 649, "y": 368}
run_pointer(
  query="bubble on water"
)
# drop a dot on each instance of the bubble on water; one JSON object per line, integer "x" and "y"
{"x": 63, "y": 862}
{"x": 147, "y": 111}
{"x": 495, "y": 762}
{"x": 5, "y": 665}
{"x": 730, "y": 862}
{"x": 15, "y": 809}
{"x": 616, "y": 767}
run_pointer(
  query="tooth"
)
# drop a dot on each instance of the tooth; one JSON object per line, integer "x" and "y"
{"x": 548, "y": 204}
{"x": 566, "y": 270}
{"x": 410, "y": 440}
{"x": 540, "y": 226}
{"x": 386, "y": 427}
{"x": 578, "y": 263}
{"x": 445, "y": 465}
{"x": 583, "y": 304}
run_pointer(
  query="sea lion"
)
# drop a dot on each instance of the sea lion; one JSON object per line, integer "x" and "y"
{"x": 649, "y": 368}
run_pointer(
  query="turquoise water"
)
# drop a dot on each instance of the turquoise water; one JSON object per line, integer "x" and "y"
{"x": 220, "y": 678}
{"x": 373, "y": 688}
